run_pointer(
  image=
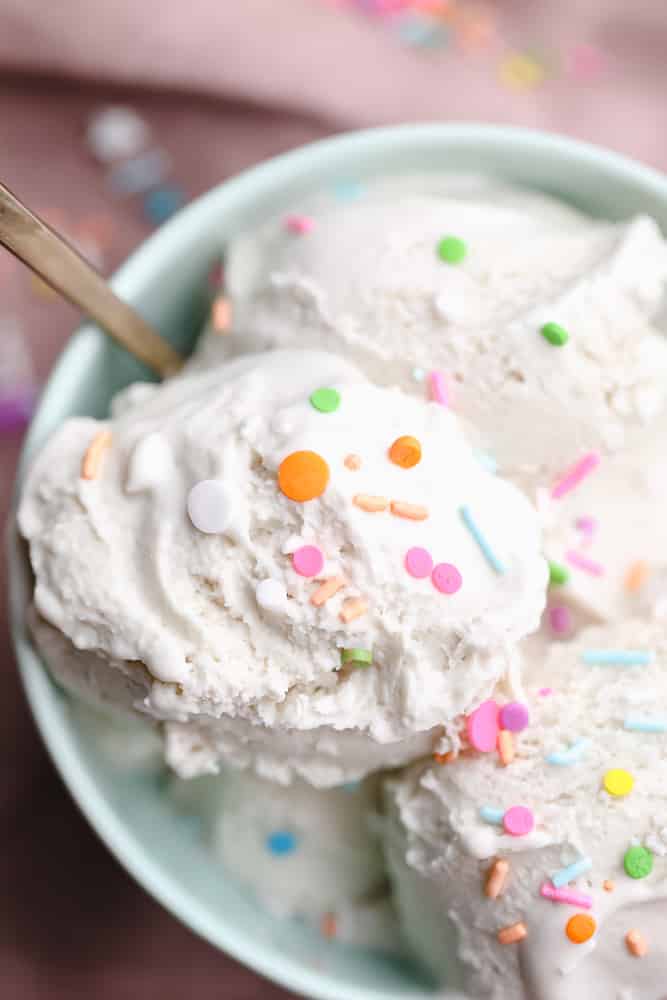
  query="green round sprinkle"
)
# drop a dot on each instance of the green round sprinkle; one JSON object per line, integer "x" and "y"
{"x": 451, "y": 249}
{"x": 555, "y": 334}
{"x": 358, "y": 657}
{"x": 325, "y": 400}
{"x": 638, "y": 862}
{"x": 558, "y": 574}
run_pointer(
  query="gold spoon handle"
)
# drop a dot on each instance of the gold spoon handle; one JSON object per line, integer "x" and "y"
{"x": 48, "y": 255}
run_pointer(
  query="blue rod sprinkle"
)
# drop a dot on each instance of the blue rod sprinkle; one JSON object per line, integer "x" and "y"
{"x": 487, "y": 551}
{"x": 577, "y": 868}
{"x": 617, "y": 657}
{"x": 491, "y": 815}
{"x": 564, "y": 758}
{"x": 646, "y": 725}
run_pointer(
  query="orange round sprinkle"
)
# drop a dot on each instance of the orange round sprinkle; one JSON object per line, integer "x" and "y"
{"x": 636, "y": 943}
{"x": 580, "y": 928}
{"x": 352, "y": 462}
{"x": 405, "y": 451}
{"x": 608, "y": 885}
{"x": 303, "y": 475}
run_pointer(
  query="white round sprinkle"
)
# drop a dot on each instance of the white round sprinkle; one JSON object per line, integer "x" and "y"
{"x": 115, "y": 133}
{"x": 271, "y": 595}
{"x": 210, "y": 506}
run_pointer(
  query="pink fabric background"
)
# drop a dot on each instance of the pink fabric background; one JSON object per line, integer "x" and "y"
{"x": 224, "y": 85}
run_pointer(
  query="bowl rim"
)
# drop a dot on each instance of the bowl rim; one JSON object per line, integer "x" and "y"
{"x": 128, "y": 281}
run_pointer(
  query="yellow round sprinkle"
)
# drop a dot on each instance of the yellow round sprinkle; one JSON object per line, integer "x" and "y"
{"x": 618, "y": 782}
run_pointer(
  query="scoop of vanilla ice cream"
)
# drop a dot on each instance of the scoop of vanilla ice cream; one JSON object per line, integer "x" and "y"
{"x": 366, "y": 280}
{"x": 597, "y": 719}
{"x": 181, "y": 567}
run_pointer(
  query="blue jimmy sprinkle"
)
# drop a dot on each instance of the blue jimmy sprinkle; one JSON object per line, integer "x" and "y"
{"x": 617, "y": 657}
{"x": 491, "y": 815}
{"x": 281, "y": 842}
{"x": 577, "y": 868}
{"x": 564, "y": 758}
{"x": 646, "y": 725}
{"x": 476, "y": 533}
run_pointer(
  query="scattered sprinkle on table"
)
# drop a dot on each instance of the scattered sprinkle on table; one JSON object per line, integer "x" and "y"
{"x": 638, "y": 862}
{"x": 506, "y": 749}
{"x": 281, "y": 842}
{"x": 608, "y": 885}
{"x": 580, "y": 928}
{"x": 303, "y": 475}
{"x": 491, "y": 815}
{"x": 636, "y": 943}
{"x": 327, "y": 590}
{"x": 565, "y": 758}
{"x": 518, "y": 821}
{"x": 513, "y": 934}
{"x": 161, "y": 203}
{"x": 476, "y": 532}
{"x": 352, "y": 462}
{"x": 210, "y": 506}
{"x": 568, "y": 896}
{"x": 617, "y": 657}
{"x": 92, "y": 460}
{"x": 356, "y": 656}
{"x": 496, "y": 878}
{"x": 353, "y": 607}
{"x": 406, "y": 452}
{"x": 571, "y": 872}
{"x": 618, "y": 782}
{"x": 571, "y": 479}
{"x": 308, "y": 560}
{"x": 558, "y": 574}
{"x": 452, "y": 249}
{"x": 587, "y": 526}
{"x": 646, "y": 725}
{"x": 418, "y": 562}
{"x": 482, "y": 726}
{"x": 325, "y": 400}
{"x": 437, "y": 388}
{"x": 582, "y": 562}
{"x": 410, "y": 511}
{"x": 560, "y": 619}
{"x": 636, "y": 576}
{"x": 328, "y": 926}
{"x": 446, "y": 578}
{"x": 521, "y": 71}
{"x": 299, "y": 225}
{"x": 372, "y": 505}
{"x": 514, "y": 716}
{"x": 556, "y": 335}
{"x": 221, "y": 315}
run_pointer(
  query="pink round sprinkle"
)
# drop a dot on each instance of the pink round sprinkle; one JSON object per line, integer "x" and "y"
{"x": 418, "y": 562}
{"x": 308, "y": 560}
{"x": 514, "y": 716}
{"x": 545, "y": 692}
{"x": 299, "y": 224}
{"x": 446, "y": 578}
{"x": 482, "y": 726}
{"x": 560, "y": 619}
{"x": 518, "y": 821}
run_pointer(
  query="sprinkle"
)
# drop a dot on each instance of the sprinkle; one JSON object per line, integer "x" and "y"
{"x": 496, "y": 878}
{"x": 451, "y": 249}
{"x": 545, "y": 692}
{"x": 581, "y": 562}
{"x": 418, "y": 562}
{"x": 482, "y": 726}
{"x": 446, "y": 578}
{"x": 116, "y": 132}
{"x": 571, "y": 872}
{"x": 446, "y": 758}
{"x": 491, "y": 815}
{"x": 569, "y": 896}
{"x": 476, "y": 533}
{"x": 564, "y": 758}
{"x": 210, "y": 506}
{"x": 636, "y": 576}
{"x": 580, "y": 928}
{"x": 221, "y": 314}
{"x": 608, "y": 885}
{"x": 520, "y": 71}
{"x": 560, "y": 619}
{"x": 514, "y": 716}
{"x": 617, "y": 657}
{"x": 574, "y": 476}
{"x": 638, "y": 862}
{"x": 327, "y": 590}
{"x": 299, "y": 225}
{"x": 90, "y": 466}
{"x": 513, "y": 933}
{"x": 586, "y": 525}
{"x": 418, "y": 374}
{"x": 271, "y": 595}
{"x": 353, "y": 607}
{"x": 329, "y": 926}
{"x": 411, "y": 511}
{"x": 303, "y": 475}
{"x": 556, "y": 335}
{"x": 646, "y": 725}
{"x": 372, "y": 505}
{"x": 281, "y": 842}
{"x": 161, "y": 203}
{"x": 357, "y": 657}
{"x": 308, "y": 560}
{"x": 325, "y": 400}
{"x": 405, "y": 451}
{"x": 352, "y": 462}
{"x": 636, "y": 943}
{"x": 506, "y": 747}
{"x": 558, "y": 574}
{"x": 139, "y": 174}
{"x": 518, "y": 821}
{"x": 437, "y": 388}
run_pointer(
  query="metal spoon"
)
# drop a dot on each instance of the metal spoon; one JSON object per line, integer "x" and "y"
{"x": 60, "y": 266}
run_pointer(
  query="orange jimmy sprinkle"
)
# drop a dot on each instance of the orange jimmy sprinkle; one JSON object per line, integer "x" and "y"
{"x": 303, "y": 475}
{"x": 513, "y": 933}
{"x": 412, "y": 511}
{"x": 370, "y": 504}
{"x": 608, "y": 885}
{"x": 329, "y": 925}
{"x": 506, "y": 746}
{"x": 352, "y": 462}
{"x": 221, "y": 314}
{"x": 636, "y": 943}
{"x": 445, "y": 758}
{"x": 353, "y": 608}
{"x": 405, "y": 451}
{"x": 580, "y": 928}
{"x": 90, "y": 466}
{"x": 496, "y": 878}
{"x": 327, "y": 590}
{"x": 636, "y": 575}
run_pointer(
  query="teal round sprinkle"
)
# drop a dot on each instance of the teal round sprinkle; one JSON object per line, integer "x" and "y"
{"x": 357, "y": 657}
{"x": 555, "y": 334}
{"x": 638, "y": 862}
{"x": 281, "y": 842}
{"x": 325, "y": 400}
{"x": 558, "y": 574}
{"x": 451, "y": 249}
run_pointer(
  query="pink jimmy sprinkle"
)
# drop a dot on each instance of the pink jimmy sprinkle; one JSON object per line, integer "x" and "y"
{"x": 574, "y": 475}
{"x": 560, "y": 619}
{"x": 569, "y": 896}
{"x": 581, "y": 562}
{"x": 438, "y": 388}
{"x": 299, "y": 224}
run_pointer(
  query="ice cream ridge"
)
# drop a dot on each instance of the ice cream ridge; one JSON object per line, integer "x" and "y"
{"x": 291, "y": 568}
{"x": 533, "y": 867}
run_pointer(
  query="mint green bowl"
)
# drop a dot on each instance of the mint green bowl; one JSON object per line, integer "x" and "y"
{"x": 166, "y": 280}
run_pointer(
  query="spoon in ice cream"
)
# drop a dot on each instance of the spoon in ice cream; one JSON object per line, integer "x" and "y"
{"x": 60, "y": 266}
